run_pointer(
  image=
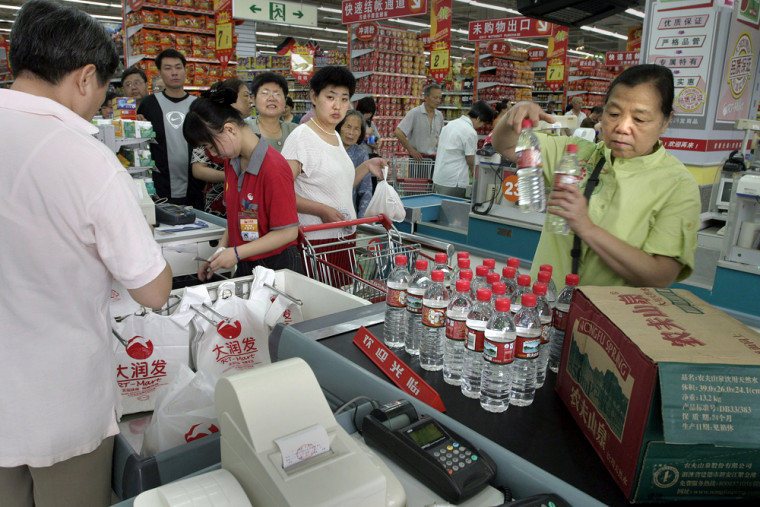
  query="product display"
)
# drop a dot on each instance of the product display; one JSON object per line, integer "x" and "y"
{"x": 527, "y": 343}
{"x": 434, "y": 304}
{"x": 498, "y": 355}
{"x": 414, "y": 296}
{"x": 456, "y": 333}
{"x": 472, "y": 366}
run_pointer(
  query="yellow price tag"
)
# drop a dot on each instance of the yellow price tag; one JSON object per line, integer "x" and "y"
{"x": 439, "y": 60}
{"x": 555, "y": 73}
{"x": 224, "y": 36}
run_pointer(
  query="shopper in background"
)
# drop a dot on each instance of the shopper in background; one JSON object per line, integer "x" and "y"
{"x": 269, "y": 92}
{"x": 352, "y": 130}
{"x": 262, "y": 222}
{"x": 106, "y": 109}
{"x": 72, "y": 199}
{"x": 419, "y": 130}
{"x": 455, "y": 160}
{"x": 577, "y": 108}
{"x": 367, "y": 107}
{"x": 288, "y": 115}
{"x": 550, "y": 108}
{"x": 210, "y": 168}
{"x": 593, "y": 118}
{"x": 166, "y": 111}
{"x": 158, "y": 85}
{"x": 134, "y": 83}
{"x": 639, "y": 226}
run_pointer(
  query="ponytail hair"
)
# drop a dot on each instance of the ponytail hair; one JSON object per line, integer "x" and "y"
{"x": 209, "y": 113}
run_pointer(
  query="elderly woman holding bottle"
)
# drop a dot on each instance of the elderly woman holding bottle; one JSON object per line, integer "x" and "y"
{"x": 639, "y": 224}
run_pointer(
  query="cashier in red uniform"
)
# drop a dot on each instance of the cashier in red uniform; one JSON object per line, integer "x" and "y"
{"x": 639, "y": 226}
{"x": 262, "y": 221}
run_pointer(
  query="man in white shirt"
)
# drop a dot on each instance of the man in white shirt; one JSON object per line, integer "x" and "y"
{"x": 419, "y": 130}
{"x": 71, "y": 224}
{"x": 455, "y": 159}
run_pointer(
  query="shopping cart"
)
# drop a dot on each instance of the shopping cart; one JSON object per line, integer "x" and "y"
{"x": 359, "y": 266}
{"x": 412, "y": 177}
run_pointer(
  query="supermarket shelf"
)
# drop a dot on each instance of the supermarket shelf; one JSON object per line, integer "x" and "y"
{"x": 570, "y": 79}
{"x": 365, "y": 73}
{"x": 136, "y": 58}
{"x": 491, "y": 84}
{"x": 359, "y": 96}
{"x": 249, "y": 71}
{"x": 138, "y": 169}
{"x": 458, "y": 93}
{"x": 173, "y": 8}
{"x": 355, "y": 53}
{"x": 131, "y": 30}
{"x": 392, "y": 117}
{"x": 489, "y": 55}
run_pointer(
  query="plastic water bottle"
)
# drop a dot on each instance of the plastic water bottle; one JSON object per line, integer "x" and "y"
{"x": 472, "y": 366}
{"x": 441, "y": 260}
{"x": 545, "y": 317}
{"x": 551, "y": 287}
{"x": 490, "y": 264}
{"x": 514, "y": 262}
{"x": 528, "y": 329}
{"x": 498, "y": 290}
{"x": 466, "y": 274}
{"x": 560, "y": 320}
{"x": 434, "y": 304}
{"x": 530, "y": 177}
{"x": 480, "y": 281}
{"x": 462, "y": 263}
{"x": 492, "y": 277}
{"x": 394, "y": 328}
{"x": 509, "y": 278}
{"x": 569, "y": 173}
{"x": 414, "y": 294}
{"x": 456, "y": 333}
{"x": 523, "y": 287}
{"x": 498, "y": 355}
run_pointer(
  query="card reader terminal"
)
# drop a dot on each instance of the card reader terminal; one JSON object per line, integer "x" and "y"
{"x": 172, "y": 214}
{"x": 436, "y": 456}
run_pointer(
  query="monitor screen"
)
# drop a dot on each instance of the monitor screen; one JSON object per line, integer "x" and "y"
{"x": 426, "y": 434}
{"x": 724, "y": 193}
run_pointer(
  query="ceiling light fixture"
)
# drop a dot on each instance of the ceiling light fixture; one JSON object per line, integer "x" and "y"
{"x": 12, "y": 7}
{"x": 329, "y": 9}
{"x": 494, "y": 7}
{"x": 601, "y": 31}
{"x": 411, "y": 23}
{"x": 634, "y": 12}
{"x": 99, "y": 4}
{"x": 108, "y": 18}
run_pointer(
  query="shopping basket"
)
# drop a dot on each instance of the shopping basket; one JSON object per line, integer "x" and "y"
{"x": 359, "y": 266}
{"x": 412, "y": 177}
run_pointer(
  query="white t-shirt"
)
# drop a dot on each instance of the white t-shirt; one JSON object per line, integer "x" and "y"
{"x": 69, "y": 220}
{"x": 458, "y": 140}
{"x": 327, "y": 176}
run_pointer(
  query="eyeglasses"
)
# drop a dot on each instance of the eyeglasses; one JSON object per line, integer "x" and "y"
{"x": 266, "y": 94}
{"x": 133, "y": 84}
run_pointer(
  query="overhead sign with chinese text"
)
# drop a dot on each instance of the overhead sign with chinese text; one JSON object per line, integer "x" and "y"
{"x": 356, "y": 11}
{"x": 292, "y": 13}
{"x": 503, "y": 28}
{"x": 622, "y": 58}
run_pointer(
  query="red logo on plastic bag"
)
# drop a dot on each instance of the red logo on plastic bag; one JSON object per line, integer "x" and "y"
{"x": 196, "y": 432}
{"x": 139, "y": 348}
{"x": 228, "y": 330}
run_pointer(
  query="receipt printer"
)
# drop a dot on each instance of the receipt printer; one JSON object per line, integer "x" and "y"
{"x": 282, "y": 445}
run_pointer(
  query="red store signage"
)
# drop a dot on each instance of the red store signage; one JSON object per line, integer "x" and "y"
{"x": 499, "y": 48}
{"x": 366, "y": 31}
{"x": 622, "y": 58}
{"x": 536, "y": 54}
{"x": 505, "y": 28}
{"x": 356, "y": 11}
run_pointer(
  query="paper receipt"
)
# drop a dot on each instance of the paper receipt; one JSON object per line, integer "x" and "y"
{"x": 302, "y": 445}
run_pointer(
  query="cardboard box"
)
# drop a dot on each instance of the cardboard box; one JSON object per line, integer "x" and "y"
{"x": 667, "y": 390}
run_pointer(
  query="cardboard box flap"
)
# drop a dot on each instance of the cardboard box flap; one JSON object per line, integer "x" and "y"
{"x": 714, "y": 404}
{"x": 673, "y": 325}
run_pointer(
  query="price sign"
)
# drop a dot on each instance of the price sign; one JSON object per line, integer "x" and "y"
{"x": 223, "y": 27}
{"x": 555, "y": 76}
{"x": 224, "y": 36}
{"x": 439, "y": 60}
{"x": 509, "y": 188}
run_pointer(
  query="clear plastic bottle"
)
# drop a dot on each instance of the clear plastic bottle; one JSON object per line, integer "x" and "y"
{"x": 434, "y": 304}
{"x": 462, "y": 263}
{"x": 498, "y": 290}
{"x": 414, "y": 294}
{"x": 523, "y": 287}
{"x": 480, "y": 281}
{"x": 472, "y": 366}
{"x": 456, "y": 333}
{"x": 492, "y": 277}
{"x": 545, "y": 316}
{"x": 441, "y": 263}
{"x": 528, "y": 328}
{"x": 466, "y": 274}
{"x": 560, "y": 319}
{"x": 530, "y": 177}
{"x": 551, "y": 287}
{"x": 569, "y": 173}
{"x": 490, "y": 264}
{"x": 514, "y": 262}
{"x": 509, "y": 278}
{"x": 498, "y": 355}
{"x": 394, "y": 328}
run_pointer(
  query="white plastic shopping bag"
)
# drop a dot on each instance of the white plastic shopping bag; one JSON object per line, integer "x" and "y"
{"x": 184, "y": 412}
{"x": 279, "y": 307}
{"x": 386, "y": 201}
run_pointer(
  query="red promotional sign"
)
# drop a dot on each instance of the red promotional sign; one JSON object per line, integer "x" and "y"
{"x": 302, "y": 63}
{"x": 356, "y": 11}
{"x": 440, "y": 65}
{"x": 622, "y": 58}
{"x": 536, "y": 54}
{"x": 425, "y": 38}
{"x": 505, "y": 28}
{"x": 586, "y": 64}
{"x": 556, "y": 58}
{"x": 223, "y": 26}
{"x": 499, "y": 48}
{"x": 395, "y": 369}
{"x": 440, "y": 20}
{"x": 634, "y": 38}
{"x": 366, "y": 31}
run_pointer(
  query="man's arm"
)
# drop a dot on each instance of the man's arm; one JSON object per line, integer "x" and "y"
{"x": 154, "y": 293}
{"x": 416, "y": 155}
{"x": 470, "y": 163}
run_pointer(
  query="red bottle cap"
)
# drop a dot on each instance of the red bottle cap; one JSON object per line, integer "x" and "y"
{"x": 544, "y": 276}
{"x": 572, "y": 148}
{"x": 523, "y": 280}
{"x": 464, "y": 263}
{"x": 491, "y": 263}
{"x": 484, "y": 294}
{"x": 546, "y": 267}
{"x": 463, "y": 255}
{"x": 465, "y": 274}
{"x": 528, "y": 300}
{"x": 437, "y": 275}
{"x": 441, "y": 258}
{"x": 463, "y": 285}
{"x": 499, "y": 288}
{"x": 508, "y": 272}
{"x": 513, "y": 262}
{"x": 502, "y": 304}
{"x": 526, "y": 123}
{"x": 492, "y": 277}
{"x": 481, "y": 270}
{"x": 572, "y": 279}
{"x": 401, "y": 260}
{"x": 539, "y": 289}
{"x": 420, "y": 264}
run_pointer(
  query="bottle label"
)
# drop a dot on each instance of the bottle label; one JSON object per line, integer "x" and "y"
{"x": 433, "y": 317}
{"x": 567, "y": 179}
{"x": 559, "y": 319}
{"x": 413, "y": 303}
{"x": 529, "y": 158}
{"x": 396, "y": 298}
{"x": 456, "y": 329}
{"x": 527, "y": 347}
{"x": 499, "y": 352}
{"x": 546, "y": 333}
{"x": 475, "y": 339}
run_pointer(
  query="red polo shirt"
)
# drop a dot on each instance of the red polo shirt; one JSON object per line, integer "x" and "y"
{"x": 263, "y": 192}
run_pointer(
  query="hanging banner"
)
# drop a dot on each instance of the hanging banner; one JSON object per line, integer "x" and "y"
{"x": 440, "y": 20}
{"x": 739, "y": 72}
{"x": 439, "y": 60}
{"x": 634, "y": 38}
{"x": 223, "y": 26}
{"x": 302, "y": 63}
{"x": 366, "y": 32}
{"x": 508, "y": 28}
{"x": 556, "y": 58}
{"x": 356, "y": 11}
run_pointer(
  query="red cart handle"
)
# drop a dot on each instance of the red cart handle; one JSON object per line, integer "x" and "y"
{"x": 384, "y": 221}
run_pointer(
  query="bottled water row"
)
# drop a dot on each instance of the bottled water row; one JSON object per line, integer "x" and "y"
{"x": 493, "y": 336}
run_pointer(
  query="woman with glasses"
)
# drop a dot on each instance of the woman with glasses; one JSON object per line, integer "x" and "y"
{"x": 269, "y": 92}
